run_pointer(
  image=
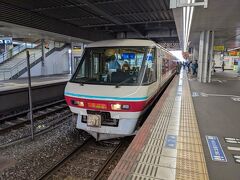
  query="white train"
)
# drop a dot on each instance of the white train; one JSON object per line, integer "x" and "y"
{"x": 115, "y": 82}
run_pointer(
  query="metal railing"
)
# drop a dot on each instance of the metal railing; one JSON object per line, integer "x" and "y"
{"x": 7, "y": 73}
{"x": 16, "y": 69}
{"x": 17, "y": 49}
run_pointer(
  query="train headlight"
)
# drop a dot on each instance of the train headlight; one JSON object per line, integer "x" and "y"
{"x": 77, "y": 103}
{"x": 118, "y": 107}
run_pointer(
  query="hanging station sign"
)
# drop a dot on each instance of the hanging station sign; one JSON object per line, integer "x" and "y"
{"x": 218, "y": 48}
{"x": 233, "y": 53}
{"x": 6, "y": 40}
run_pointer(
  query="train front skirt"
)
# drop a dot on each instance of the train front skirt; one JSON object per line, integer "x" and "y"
{"x": 125, "y": 127}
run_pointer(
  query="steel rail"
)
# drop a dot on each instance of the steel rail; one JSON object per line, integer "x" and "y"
{"x": 45, "y": 130}
{"x": 53, "y": 169}
{"x": 20, "y": 122}
{"x": 101, "y": 171}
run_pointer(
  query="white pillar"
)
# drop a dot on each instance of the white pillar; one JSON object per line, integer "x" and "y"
{"x": 211, "y": 56}
{"x": 200, "y": 56}
{"x": 205, "y": 56}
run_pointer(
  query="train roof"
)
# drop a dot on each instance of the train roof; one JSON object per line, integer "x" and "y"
{"x": 123, "y": 42}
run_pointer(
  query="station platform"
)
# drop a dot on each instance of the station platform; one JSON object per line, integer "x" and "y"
{"x": 14, "y": 93}
{"x": 217, "y": 106}
{"x": 168, "y": 145}
{"x": 20, "y": 83}
{"x": 183, "y": 137}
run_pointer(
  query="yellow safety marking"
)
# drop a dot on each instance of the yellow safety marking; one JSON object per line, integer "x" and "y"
{"x": 190, "y": 157}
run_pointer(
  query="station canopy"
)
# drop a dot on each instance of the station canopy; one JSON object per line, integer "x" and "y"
{"x": 95, "y": 19}
{"x": 220, "y": 16}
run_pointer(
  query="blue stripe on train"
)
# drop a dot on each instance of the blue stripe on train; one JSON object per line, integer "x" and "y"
{"x": 105, "y": 97}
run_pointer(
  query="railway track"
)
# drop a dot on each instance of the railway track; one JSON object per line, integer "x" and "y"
{"x": 19, "y": 119}
{"x": 15, "y": 128}
{"x": 91, "y": 160}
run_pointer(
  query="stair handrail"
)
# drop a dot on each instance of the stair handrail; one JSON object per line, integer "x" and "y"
{"x": 16, "y": 66}
{"x": 17, "y": 49}
{"x": 11, "y": 52}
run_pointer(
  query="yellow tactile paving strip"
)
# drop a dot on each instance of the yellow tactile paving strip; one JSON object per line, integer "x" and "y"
{"x": 190, "y": 158}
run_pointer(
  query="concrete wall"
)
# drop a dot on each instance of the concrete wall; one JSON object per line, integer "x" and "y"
{"x": 56, "y": 63}
{"x": 18, "y": 98}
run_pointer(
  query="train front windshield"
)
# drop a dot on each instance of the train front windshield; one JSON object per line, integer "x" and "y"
{"x": 116, "y": 66}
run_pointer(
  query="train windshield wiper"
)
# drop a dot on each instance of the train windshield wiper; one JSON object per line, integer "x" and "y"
{"x": 126, "y": 80}
{"x": 81, "y": 80}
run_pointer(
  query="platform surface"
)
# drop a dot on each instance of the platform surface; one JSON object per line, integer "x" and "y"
{"x": 168, "y": 145}
{"x": 217, "y": 106}
{"x": 36, "y": 81}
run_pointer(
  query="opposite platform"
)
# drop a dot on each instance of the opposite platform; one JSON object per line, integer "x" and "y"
{"x": 7, "y": 85}
{"x": 168, "y": 145}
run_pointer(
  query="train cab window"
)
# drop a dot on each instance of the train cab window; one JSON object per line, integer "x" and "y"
{"x": 115, "y": 65}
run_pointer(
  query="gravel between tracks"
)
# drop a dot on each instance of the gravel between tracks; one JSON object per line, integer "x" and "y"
{"x": 86, "y": 163}
{"x": 30, "y": 159}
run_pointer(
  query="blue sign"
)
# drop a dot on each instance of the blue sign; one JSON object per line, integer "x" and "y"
{"x": 171, "y": 141}
{"x": 128, "y": 56}
{"x": 6, "y": 40}
{"x": 149, "y": 57}
{"x": 215, "y": 149}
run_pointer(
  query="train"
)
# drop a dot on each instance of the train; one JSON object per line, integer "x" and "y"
{"x": 114, "y": 84}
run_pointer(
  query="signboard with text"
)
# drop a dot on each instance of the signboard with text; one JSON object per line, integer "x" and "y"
{"x": 6, "y": 40}
{"x": 218, "y": 48}
{"x": 233, "y": 53}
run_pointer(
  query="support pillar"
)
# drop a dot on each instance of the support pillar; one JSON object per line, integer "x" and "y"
{"x": 43, "y": 67}
{"x": 200, "y": 56}
{"x": 205, "y": 56}
{"x": 211, "y": 56}
{"x": 70, "y": 57}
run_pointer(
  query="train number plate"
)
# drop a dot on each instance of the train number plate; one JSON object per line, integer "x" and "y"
{"x": 94, "y": 120}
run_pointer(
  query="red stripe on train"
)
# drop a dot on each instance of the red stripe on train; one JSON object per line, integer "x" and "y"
{"x": 105, "y": 105}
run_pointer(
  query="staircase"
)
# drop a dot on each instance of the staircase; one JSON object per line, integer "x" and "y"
{"x": 14, "y": 68}
{"x": 15, "y": 51}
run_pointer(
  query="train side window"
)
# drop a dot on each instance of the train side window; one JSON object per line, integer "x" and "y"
{"x": 80, "y": 73}
{"x": 150, "y": 75}
{"x": 165, "y": 65}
